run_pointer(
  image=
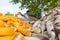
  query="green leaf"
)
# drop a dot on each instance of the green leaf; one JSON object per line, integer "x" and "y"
{"x": 36, "y": 6}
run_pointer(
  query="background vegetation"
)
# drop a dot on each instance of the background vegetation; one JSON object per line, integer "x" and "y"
{"x": 9, "y": 14}
{"x": 36, "y": 7}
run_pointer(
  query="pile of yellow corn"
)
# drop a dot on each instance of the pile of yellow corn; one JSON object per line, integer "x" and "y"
{"x": 11, "y": 27}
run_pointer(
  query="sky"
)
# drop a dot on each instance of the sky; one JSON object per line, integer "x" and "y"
{"x": 6, "y": 6}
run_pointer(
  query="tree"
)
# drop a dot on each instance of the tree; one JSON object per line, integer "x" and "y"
{"x": 37, "y": 6}
{"x": 8, "y": 14}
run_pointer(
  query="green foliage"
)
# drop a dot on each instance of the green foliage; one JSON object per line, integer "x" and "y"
{"x": 37, "y": 15}
{"x": 36, "y": 6}
{"x": 8, "y": 14}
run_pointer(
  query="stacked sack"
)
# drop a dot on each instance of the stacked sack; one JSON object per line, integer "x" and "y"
{"x": 11, "y": 27}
